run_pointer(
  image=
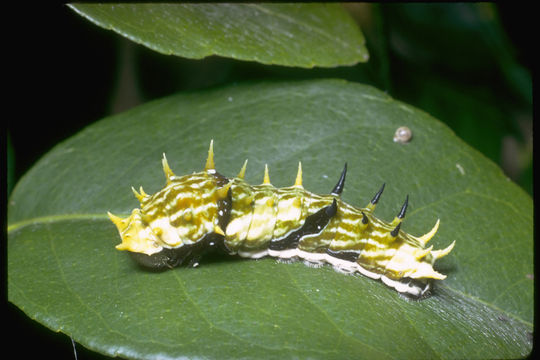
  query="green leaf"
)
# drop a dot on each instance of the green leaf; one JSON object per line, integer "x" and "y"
{"x": 303, "y": 35}
{"x": 64, "y": 272}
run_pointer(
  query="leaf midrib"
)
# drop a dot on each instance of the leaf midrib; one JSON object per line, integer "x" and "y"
{"x": 53, "y": 218}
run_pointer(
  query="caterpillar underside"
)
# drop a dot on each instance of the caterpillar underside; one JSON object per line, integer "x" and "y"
{"x": 204, "y": 210}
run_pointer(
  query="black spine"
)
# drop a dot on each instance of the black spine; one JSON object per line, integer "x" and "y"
{"x": 338, "y": 189}
{"x": 395, "y": 232}
{"x": 314, "y": 224}
{"x": 377, "y": 196}
{"x": 365, "y": 219}
{"x": 403, "y": 210}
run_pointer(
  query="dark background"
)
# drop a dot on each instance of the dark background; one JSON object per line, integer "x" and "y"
{"x": 467, "y": 64}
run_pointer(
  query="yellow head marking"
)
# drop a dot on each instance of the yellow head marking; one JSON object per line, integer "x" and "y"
{"x": 136, "y": 237}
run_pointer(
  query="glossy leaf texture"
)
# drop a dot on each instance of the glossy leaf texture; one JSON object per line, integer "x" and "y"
{"x": 64, "y": 272}
{"x": 302, "y": 35}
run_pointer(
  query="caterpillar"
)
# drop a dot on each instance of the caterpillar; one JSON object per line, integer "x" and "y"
{"x": 206, "y": 210}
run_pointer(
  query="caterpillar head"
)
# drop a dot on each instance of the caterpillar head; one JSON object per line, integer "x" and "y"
{"x": 136, "y": 235}
{"x": 180, "y": 214}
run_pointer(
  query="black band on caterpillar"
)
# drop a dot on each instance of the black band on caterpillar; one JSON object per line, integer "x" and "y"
{"x": 314, "y": 224}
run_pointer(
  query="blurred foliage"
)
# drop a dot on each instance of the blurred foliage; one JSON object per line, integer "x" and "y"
{"x": 288, "y": 34}
{"x": 454, "y": 61}
{"x": 459, "y": 62}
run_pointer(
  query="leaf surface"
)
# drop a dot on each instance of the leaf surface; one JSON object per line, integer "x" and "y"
{"x": 64, "y": 272}
{"x": 303, "y": 35}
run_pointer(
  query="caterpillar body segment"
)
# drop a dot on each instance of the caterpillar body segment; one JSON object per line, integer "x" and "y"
{"x": 205, "y": 210}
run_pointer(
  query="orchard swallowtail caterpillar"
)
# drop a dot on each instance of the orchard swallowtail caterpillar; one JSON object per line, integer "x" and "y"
{"x": 206, "y": 210}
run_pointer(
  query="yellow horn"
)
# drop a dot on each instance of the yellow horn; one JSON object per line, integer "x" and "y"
{"x": 166, "y": 169}
{"x": 141, "y": 190}
{"x": 118, "y": 221}
{"x": 266, "y": 179}
{"x": 425, "y": 238}
{"x": 298, "y": 182}
{"x": 218, "y": 230}
{"x": 437, "y": 254}
{"x": 419, "y": 254}
{"x": 242, "y": 172}
{"x": 222, "y": 191}
{"x": 140, "y": 197}
{"x": 210, "y": 166}
{"x": 435, "y": 275}
{"x": 426, "y": 272}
